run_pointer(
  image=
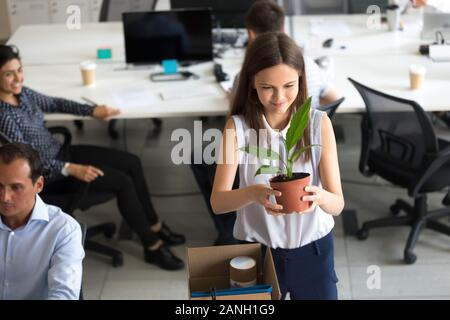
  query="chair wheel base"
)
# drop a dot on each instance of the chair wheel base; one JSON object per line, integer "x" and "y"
{"x": 362, "y": 234}
{"x": 109, "y": 230}
{"x": 395, "y": 209}
{"x": 409, "y": 257}
{"x": 117, "y": 261}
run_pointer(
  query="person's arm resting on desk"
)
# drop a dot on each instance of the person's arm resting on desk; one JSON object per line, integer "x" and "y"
{"x": 53, "y": 104}
{"x": 329, "y": 95}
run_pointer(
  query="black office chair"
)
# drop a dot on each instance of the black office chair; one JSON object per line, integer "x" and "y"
{"x": 399, "y": 144}
{"x": 80, "y": 198}
{"x": 331, "y": 107}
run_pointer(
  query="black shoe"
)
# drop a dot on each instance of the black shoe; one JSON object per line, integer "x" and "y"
{"x": 163, "y": 258}
{"x": 169, "y": 237}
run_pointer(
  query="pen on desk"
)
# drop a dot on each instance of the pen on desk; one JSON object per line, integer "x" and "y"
{"x": 89, "y": 101}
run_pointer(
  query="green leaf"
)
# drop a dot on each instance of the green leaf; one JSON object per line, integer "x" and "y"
{"x": 261, "y": 152}
{"x": 268, "y": 170}
{"x": 299, "y": 152}
{"x": 298, "y": 124}
{"x": 290, "y": 167}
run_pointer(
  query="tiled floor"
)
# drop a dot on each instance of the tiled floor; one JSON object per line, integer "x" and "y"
{"x": 428, "y": 278}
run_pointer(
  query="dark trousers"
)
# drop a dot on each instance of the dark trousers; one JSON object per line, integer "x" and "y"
{"x": 123, "y": 176}
{"x": 307, "y": 273}
{"x": 204, "y": 175}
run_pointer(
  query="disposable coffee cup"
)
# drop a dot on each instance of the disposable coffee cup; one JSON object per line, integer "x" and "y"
{"x": 416, "y": 76}
{"x": 88, "y": 73}
{"x": 393, "y": 17}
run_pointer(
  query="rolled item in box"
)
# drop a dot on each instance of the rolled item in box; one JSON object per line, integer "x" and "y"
{"x": 243, "y": 272}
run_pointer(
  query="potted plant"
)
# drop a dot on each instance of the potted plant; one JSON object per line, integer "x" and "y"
{"x": 290, "y": 184}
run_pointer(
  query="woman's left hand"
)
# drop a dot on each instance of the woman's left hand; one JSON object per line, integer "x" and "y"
{"x": 317, "y": 197}
{"x": 105, "y": 113}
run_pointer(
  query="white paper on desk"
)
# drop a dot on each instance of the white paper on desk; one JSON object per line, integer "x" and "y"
{"x": 191, "y": 92}
{"x": 327, "y": 28}
{"x": 227, "y": 85}
{"x": 131, "y": 97}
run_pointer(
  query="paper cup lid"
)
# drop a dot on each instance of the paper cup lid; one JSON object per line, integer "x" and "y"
{"x": 418, "y": 69}
{"x": 88, "y": 65}
{"x": 242, "y": 262}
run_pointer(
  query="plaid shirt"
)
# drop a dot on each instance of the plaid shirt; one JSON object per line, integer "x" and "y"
{"x": 25, "y": 123}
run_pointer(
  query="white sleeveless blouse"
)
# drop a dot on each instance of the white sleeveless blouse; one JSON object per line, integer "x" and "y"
{"x": 253, "y": 223}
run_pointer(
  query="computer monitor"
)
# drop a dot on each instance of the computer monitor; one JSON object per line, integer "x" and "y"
{"x": 433, "y": 22}
{"x": 226, "y": 13}
{"x": 151, "y": 37}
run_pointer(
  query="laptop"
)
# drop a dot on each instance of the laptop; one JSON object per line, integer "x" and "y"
{"x": 433, "y": 22}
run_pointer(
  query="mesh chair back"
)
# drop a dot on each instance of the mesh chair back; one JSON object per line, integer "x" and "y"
{"x": 331, "y": 107}
{"x": 399, "y": 129}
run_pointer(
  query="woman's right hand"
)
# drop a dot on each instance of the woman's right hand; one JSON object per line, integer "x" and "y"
{"x": 261, "y": 193}
{"x": 84, "y": 173}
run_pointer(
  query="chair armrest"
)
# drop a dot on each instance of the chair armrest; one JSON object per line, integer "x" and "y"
{"x": 366, "y": 141}
{"x": 81, "y": 191}
{"x": 439, "y": 160}
{"x": 67, "y": 136}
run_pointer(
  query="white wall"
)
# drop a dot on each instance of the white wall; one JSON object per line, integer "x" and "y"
{"x": 5, "y": 32}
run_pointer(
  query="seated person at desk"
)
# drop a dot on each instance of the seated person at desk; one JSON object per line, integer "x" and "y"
{"x": 267, "y": 16}
{"x": 433, "y": 5}
{"x": 106, "y": 169}
{"x": 436, "y": 6}
{"x": 41, "y": 245}
{"x": 262, "y": 16}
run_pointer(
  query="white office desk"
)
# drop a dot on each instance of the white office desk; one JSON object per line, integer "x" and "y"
{"x": 377, "y": 58}
{"x": 362, "y": 40}
{"x": 132, "y": 91}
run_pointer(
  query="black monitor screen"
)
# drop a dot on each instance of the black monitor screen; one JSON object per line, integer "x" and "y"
{"x": 151, "y": 37}
{"x": 226, "y": 13}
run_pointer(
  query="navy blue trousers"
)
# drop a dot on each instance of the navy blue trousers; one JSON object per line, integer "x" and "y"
{"x": 307, "y": 273}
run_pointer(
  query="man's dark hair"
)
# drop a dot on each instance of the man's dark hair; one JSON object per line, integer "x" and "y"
{"x": 8, "y": 53}
{"x": 265, "y": 16}
{"x": 13, "y": 151}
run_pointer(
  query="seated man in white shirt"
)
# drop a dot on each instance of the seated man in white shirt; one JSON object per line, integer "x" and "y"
{"x": 267, "y": 16}
{"x": 41, "y": 247}
{"x": 433, "y": 5}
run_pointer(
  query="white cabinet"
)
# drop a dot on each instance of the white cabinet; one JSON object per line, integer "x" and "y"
{"x": 89, "y": 10}
{"x": 117, "y": 7}
{"x": 22, "y": 12}
{"x": 28, "y": 12}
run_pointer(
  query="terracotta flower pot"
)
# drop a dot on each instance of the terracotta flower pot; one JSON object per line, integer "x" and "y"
{"x": 292, "y": 191}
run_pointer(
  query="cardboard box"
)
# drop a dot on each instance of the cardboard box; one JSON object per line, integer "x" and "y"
{"x": 208, "y": 267}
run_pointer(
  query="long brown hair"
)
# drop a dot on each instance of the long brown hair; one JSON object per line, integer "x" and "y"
{"x": 268, "y": 50}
